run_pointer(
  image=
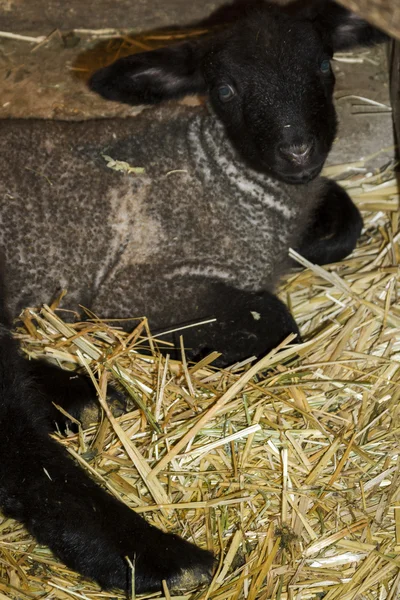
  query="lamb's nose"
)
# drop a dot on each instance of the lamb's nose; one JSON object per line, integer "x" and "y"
{"x": 297, "y": 153}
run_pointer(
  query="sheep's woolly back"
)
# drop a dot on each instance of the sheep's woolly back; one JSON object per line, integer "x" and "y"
{"x": 76, "y": 214}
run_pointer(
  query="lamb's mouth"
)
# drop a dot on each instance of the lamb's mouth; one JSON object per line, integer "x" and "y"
{"x": 303, "y": 177}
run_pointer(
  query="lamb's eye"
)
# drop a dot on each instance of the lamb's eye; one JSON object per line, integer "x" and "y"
{"x": 226, "y": 92}
{"x": 325, "y": 66}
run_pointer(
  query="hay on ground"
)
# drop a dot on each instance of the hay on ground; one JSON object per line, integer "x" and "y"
{"x": 287, "y": 468}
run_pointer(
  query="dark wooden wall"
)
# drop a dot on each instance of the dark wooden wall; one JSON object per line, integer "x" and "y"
{"x": 42, "y": 16}
{"x": 382, "y": 13}
{"x": 395, "y": 86}
{"x": 386, "y": 15}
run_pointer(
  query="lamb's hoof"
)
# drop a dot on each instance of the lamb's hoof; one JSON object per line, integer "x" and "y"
{"x": 193, "y": 566}
{"x": 116, "y": 401}
{"x": 182, "y": 565}
{"x": 193, "y": 577}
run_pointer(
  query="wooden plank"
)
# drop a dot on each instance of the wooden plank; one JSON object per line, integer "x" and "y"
{"x": 395, "y": 87}
{"x": 385, "y": 14}
{"x": 43, "y": 16}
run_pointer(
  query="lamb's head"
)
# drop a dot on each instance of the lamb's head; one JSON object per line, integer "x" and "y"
{"x": 268, "y": 77}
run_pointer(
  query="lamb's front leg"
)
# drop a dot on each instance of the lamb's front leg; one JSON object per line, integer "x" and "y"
{"x": 88, "y": 529}
{"x": 244, "y": 323}
{"x": 335, "y": 228}
{"x": 73, "y": 392}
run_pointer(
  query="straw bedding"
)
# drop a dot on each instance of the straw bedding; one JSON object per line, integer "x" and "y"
{"x": 287, "y": 468}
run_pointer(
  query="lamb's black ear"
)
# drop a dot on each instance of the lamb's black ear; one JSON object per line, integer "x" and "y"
{"x": 151, "y": 77}
{"x": 343, "y": 28}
